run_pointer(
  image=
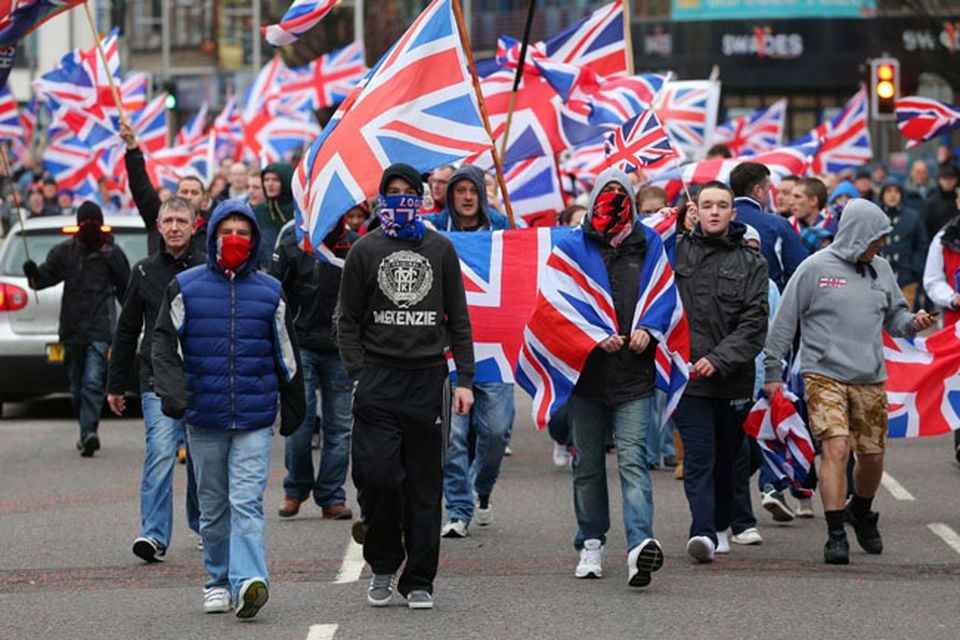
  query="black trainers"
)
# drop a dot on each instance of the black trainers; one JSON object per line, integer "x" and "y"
{"x": 866, "y": 529}
{"x": 148, "y": 549}
{"x": 837, "y": 549}
{"x": 88, "y": 444}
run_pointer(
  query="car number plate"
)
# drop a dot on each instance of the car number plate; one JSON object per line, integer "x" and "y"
{"x": 55, "y": 353}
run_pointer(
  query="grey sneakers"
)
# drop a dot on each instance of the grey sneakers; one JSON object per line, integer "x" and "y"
{"x": 381, "y": 589}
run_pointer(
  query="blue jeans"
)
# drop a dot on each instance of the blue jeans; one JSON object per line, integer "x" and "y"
{"x": 466, "y": 471}
{"x": 590, "y": 420}
{"x": 231, "y": 468}
{"x": 659, "y": 441}
{"x": 163, "y": 436}
{"x": 87, "y": 372}
{"x": 326, "y": 372}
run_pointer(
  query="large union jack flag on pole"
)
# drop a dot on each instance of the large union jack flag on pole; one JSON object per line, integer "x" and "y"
{"x": 923, "y": 383}
{"x": 302, "y": 16}
{"x": 640, "y": 142}
{"x": 921, "y": 119}
{"x": 845, "y": 139}
{"x": 417, "y": 105}
{"x": 574, "y": 312}
{"x": 595, "y": 42}
{"x": 755, "y": 132}
{"x": 688, "y": 111}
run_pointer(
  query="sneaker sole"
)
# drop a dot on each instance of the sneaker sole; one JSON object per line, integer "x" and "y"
{"x": 649, "y": 559}
{"x": 255, "y": 596}
{"x": 778, "y": 512}
{"x": 379, "y": 603}
{"x": 420, "y": 605}
{"x": 837, "y": 560}
{"x": 700, "y": 552}
{"x": 453, "y": 534}
{"x": 589, "y": 575}
{"x": 146, "y": 552}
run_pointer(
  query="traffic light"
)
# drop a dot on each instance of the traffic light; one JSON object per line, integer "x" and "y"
{"x": 171, "y": 88}
{"x": 884, "y": 87}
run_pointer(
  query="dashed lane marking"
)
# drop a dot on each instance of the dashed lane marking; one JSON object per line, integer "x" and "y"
{"x": 322, "y": 631}
{"x": 945, "y": 533}
{"x": 352, "y": 565}
{"x": 896, "y": 489}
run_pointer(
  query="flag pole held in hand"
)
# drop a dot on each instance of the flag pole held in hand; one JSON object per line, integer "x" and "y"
{"x": 106, "y": 65}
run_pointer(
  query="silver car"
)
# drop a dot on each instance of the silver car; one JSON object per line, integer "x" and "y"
{"x": 31, "y": 356}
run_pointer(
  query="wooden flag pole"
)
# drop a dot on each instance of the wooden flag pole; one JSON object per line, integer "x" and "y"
{"x": 23, "y": 231}
{"x": 517, "y": 77}
{"x": 106, "y": 65}
{"x": 465, "y": 41}
{"x": 627, "y": 36}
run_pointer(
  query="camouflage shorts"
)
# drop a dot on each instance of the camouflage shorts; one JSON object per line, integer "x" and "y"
{"x": 858, "y": 411}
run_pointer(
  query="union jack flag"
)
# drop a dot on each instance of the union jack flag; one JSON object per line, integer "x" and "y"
{"x": 574, "y": 312}
{"x": 923, "y": 383}
{"x": 584, "y": 163}
{"x": 11, "y": 128}
{"x": 324, "y": 82}
{"x": 785, "y": 161}
{"x": 596, "y": 41}
{"x": 921, "y": 119}
{"x": 150, "y": 125}
{"x": 688, "y": 111}
{"x": 534, "y": 189}
{"x": 228, "y": 131}
{"x": 133, "y": 92}
{"x": 302, "y": 16}
{"x": 665, "y": 224}
{"x": 753, "y": 133}
{"x": 272, "y": 131}
{"x": 19, "y": 18}
{"x": 845, "y": 139}
{"x": 780, "y": 432}
{"x": 417, "y": 105}
{"x": 193, "y": 131}
{"x": 640, "y": 142}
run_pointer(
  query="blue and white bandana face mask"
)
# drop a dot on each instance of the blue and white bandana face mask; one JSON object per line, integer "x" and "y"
{"x": 400, "y": 216}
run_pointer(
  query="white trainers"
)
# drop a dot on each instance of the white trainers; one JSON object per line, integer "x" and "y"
{"x": 454, "y": 529}
{"x": 482, "y": 516}
{"x": 643, "y": 559}
{"x": 701, "y": 549}
{"x": 747, "y": 536}
{"x": 561, "y": 455}
{"x": 804, "y": 508}
{"x": 591, "y": 560}
{"x": 216, "y": 600}
{"x": 723, "y": 543}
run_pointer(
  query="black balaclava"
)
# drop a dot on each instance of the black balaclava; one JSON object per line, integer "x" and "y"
{"x": 90, "y": 219}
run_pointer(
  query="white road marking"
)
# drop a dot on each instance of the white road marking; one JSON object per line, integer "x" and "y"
{"x": 322, "y": 632}
{"x": 896, "y": 489}
{"x": 946, "y": 534}
{"x": 352, "y": 565}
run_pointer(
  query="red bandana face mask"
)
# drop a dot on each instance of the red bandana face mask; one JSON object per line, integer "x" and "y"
{"x": 232, "y": 251}
{"x": 611, "y": 216}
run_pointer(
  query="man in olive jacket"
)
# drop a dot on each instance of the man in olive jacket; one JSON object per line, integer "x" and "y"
{"x": 723, "y": 284}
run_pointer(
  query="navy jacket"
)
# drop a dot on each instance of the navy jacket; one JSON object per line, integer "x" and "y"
{"x": 238, "y": 344}
{"x": 779, "y": 243}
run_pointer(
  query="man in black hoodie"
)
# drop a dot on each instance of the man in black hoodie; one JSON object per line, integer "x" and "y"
{"x": 277, "y": 210}
{"x": 311, "y": 287}
{"x": 723, "y": 284}
{"x": 94, "y": 271}
{"x": 402, "y": 304}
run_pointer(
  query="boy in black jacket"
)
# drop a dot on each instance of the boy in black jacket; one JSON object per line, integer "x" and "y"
{"x": 402, "y": 303}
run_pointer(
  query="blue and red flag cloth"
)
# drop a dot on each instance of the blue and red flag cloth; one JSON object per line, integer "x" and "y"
{"x": 921, "y": 119}
{"x": 534, "y": 188}
{"x": 688, "y": 111}
{"x": 755, "y": 132}
{"x": 782, "y": 436}
{"x": 640, "y": 142}
{"x": 302, "y": 16}
{"x": 11, "y": 127}
{"x": 417, "y": 105}
{"x": 324, "y": 82}
{"x": 844, "y": 140}
{"x": 18, "y": 18}
{"x": 574, "y": 312}
{"x": 923, "y": 383}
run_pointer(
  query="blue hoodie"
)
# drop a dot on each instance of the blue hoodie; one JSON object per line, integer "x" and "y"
{"x": 449, "y": 219}
{"x": 779, "y": 243}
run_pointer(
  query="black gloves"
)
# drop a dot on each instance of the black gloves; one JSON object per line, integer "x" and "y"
{"x": 32, "y": 271}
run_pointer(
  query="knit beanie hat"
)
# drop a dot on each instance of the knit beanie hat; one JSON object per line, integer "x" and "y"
{"x": 405, "y": 172}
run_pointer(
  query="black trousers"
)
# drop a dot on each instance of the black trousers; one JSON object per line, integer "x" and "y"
{"x": 397, "y": 451}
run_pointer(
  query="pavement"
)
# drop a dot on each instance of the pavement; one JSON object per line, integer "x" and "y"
{"x": 66, "y": 569}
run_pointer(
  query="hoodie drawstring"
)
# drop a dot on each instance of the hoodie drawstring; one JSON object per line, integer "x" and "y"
{"x": 863, "y": 267}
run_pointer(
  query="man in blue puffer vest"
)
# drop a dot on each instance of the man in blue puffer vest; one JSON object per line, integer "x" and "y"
{"x": 239, "y": 354}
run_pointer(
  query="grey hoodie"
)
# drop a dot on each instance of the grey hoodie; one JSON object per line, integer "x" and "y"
{"x": 610, "y": 175}
{"x": 841, "y": 307}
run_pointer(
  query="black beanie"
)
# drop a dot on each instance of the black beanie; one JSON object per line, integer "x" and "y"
{"x": 89, "y": 211}
{"x": 404, "y": 171}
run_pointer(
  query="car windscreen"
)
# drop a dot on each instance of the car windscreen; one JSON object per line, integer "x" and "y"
{"x": 40, "y": 241}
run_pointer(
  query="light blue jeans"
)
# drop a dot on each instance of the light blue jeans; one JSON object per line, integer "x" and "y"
{"x": 231, "y": 468}
{"x": 590, "y": 419}
{"x": 163, "y": 435}
{"x": 659, "y": 441}
{"x": 326, "y": 372}
{"x": 466, "y": 471}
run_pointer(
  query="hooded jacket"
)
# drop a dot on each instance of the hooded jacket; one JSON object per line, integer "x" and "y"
{"x": 724, "y": 286}
{"x": 614, "y": 378}
{"x": 939, "y": 209}
{"x": 273, "y": 213}
{"x": 449, "y": 218}
{"x": 841, "y": 306}
{"x": 238, "y": 343}
{"x": 905, "y": 247}
{"x": 779, "y": 243}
